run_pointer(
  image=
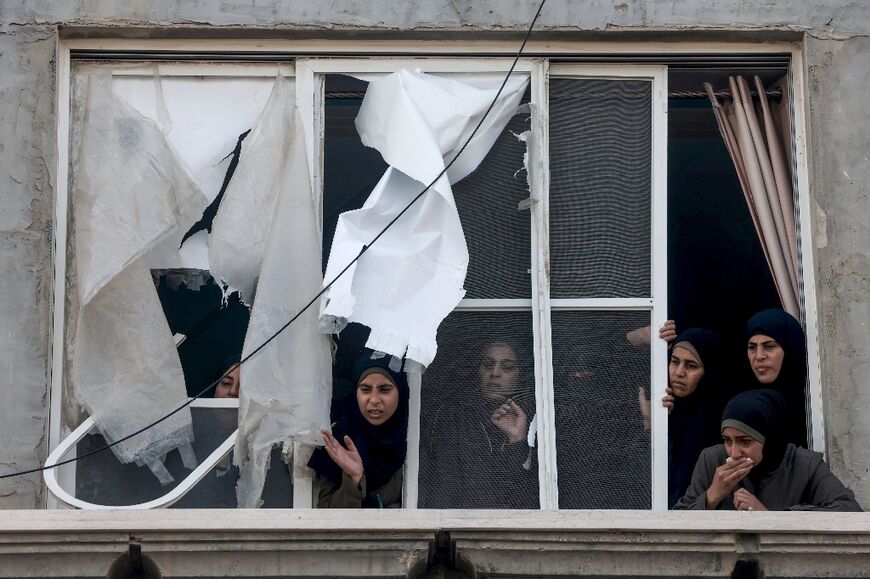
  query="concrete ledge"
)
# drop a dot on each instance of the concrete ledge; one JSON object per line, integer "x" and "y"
{"x": 312, "y": 543}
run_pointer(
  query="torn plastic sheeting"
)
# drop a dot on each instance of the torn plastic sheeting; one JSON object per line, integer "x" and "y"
{"x": 265, "y": 240}
{"x": 130, "y": 194}
{"x": 241, "y": 229}
{"x": 412, "y": 278}
{"x": 202, "y": 118}
{"x": 133, "y": 193}
{"x": 127, "y": 372}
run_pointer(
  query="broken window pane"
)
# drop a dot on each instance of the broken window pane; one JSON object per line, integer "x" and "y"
{"x": 496, "y": 232}
{"x": 418, "y": 123}
{"x": 265, "y": 243}
{"x": 130, "y": 193}
{"x": 101, "y": 479}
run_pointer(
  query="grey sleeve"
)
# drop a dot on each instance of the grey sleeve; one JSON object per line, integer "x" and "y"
{"x": 695, "y": 498}
{"x": 825, "y": 492}
{"x": 345, "y": 496}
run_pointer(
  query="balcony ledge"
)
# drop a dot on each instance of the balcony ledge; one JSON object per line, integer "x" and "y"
{"x": 312, "y": 543}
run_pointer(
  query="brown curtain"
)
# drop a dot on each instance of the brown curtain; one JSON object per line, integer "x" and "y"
{"x": 754, "y": 135}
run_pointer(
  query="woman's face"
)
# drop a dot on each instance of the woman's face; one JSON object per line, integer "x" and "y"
{"x": 684, "y": 372}
{"x": 738, "y": 444}
{"x": 499, "y": 372}
{"x": 378, "y": 398}
{"x": 229, "y": 385}
{"x": 765, "y": 357}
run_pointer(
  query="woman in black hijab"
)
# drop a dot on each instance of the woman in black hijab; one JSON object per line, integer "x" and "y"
{"x": 776, "y": 349}
{"x": 756, "y": 470}
{"x": 694, "y": 401}
{"x": 474, "y": 451}
{"x": 366, "y": 470}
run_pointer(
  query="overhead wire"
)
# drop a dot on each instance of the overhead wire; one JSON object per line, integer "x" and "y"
{"x": 323, "y": 290}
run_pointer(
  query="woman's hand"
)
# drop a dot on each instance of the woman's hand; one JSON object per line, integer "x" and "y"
{"x": 668, "y": 399}
{"x": 668, "y": 332}
{"x": 645, "y": 411}
{"x": 348, "y": 459}
{"x": 746, "y": 501}
{"x": 512, "y": 420}
{"x": 726, "y": 478}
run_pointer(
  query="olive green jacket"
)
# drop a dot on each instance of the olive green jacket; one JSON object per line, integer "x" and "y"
{"x": 350, "y": 496}
{"x": 802, "y": 482}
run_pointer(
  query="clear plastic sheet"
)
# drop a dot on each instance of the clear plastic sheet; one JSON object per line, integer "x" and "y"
{"x": 265, "y": 240}
{"x": 130, "y": 194}
{"x": 412, "y": 278}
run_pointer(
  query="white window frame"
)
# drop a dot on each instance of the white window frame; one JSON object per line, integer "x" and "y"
{"x": 63, "y": 440}
{"x": 655, "y": 303}
{"x": 313, "y": 71}
{"x": 485, "y": 52}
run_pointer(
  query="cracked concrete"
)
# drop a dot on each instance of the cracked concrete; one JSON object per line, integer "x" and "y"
{"x": 837, "y": 36}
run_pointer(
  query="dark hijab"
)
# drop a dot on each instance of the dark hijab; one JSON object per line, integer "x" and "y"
{"x": 759, "y": 413}
{"x": 383, "y": 447}
{"x": 693, "y": 423}
{"x": 792, "y": 378}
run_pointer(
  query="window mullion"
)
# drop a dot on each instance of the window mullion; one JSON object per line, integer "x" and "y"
{"x": 539, "y": 186}
{"x": 412, "y": 458}
{"x": 309, "y": 102}
{"x": 659, "y": 265}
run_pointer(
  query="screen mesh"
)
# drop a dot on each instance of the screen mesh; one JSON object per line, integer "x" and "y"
{"x": 498, "y": 235}
{"x": 602, "y": 444}
{"x": 101, "y": 479}
{"x": 472, "y": 455}
{"x": 600, "y": 188}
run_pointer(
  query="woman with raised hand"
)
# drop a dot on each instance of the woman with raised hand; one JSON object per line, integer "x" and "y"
{"x": 694, "y": 401}
{"x": 360, "y": 465}
{"x": 755, "y": 469}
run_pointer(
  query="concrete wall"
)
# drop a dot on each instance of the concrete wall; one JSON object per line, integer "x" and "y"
{"x": 838, "y": 49}
{"x": 27, "y": 161}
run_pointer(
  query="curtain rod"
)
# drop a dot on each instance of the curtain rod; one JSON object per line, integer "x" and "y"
{"x": 774, "y": 93}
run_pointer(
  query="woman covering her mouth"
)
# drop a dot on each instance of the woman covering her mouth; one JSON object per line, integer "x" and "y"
{"x": 777, "y": 355}
{"x": 360, "y": 465}
{"x": 756, "y": 470}
{"x": 694, "y": 401}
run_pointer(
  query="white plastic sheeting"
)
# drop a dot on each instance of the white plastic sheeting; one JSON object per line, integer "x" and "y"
{"x": 131, "y": 194}
{"x": 412, "y": 278}
{"x": 265, "y": 240}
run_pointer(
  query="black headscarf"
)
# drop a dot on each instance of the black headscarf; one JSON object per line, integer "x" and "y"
{"x": 792, "y": 378}
{"x": 759, "y": 413}
{"x": 693, "y": 423}
{"x": 383, "y": 447}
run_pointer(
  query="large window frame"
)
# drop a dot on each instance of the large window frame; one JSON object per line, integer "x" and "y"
{"x": 313, "y": 59}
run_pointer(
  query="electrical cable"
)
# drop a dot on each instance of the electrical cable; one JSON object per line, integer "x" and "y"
{"x": 325, "y": 287}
